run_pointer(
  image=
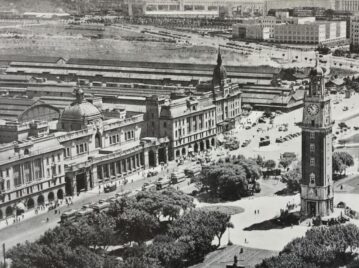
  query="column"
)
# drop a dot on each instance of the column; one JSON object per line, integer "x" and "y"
{"x": 86, "y": 181}
{"x": 108, "y": 170}
{"x": 129, "y": 163}
{"x": 166, "y": 154}
{"x": 124, "y": 167}
{"x": 103, "y": 173}
{"x": 145, "y": 159}
{"x": 156, "y": 158}
{"x": 138, "y": 160}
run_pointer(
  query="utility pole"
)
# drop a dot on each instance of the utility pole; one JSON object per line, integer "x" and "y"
{"x": 3, "y": 252}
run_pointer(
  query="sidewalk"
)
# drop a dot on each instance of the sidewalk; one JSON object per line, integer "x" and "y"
{"x": 75, "y": 199}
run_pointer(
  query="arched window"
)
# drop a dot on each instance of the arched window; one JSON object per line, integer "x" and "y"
{"x": 97, "y": 140}
{"x": 312, "y": 179}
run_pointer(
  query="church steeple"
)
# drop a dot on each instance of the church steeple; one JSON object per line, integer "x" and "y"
{"x": 219, "y": 58}
{"x": 219, "y": 72}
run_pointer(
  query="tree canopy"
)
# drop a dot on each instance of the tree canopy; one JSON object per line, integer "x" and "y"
{"x": 320, "y": 247}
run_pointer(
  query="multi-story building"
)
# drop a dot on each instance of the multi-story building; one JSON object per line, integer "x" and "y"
{"x": 311, "y": 33}
{"x": 84, "y": 152}
{"x": 197, "y": 8}
{"x": 251, "y": 32}
{"x": 191, "y": 122}
{"x": 354, "y": 31}
{"x": 267, "y": 24}
{"x": 347, "y": 5}
{"x": 32, "y": 173}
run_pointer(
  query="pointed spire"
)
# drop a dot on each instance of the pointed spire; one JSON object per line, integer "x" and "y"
{"x": 219, "y": 58}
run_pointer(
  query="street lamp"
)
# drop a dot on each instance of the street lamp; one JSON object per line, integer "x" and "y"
{"x": 229, "y": 237}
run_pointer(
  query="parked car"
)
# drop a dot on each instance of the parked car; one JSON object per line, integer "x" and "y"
{"x": 279, "y": 140}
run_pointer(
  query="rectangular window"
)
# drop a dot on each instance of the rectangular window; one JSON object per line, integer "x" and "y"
{"x": 37, "y": 169}
{"x": 67, "y": 153}
{"x": 59, "y": 169}
{"x": 8, "y": 184}
{"x": 27, "y": 172}
{"x": 312, "y": 135}
{"x": 312, "y": 147}
{"x": 17, "y": 175}
{"x": 58, "y": 157}
{"x": 312, "y": 161}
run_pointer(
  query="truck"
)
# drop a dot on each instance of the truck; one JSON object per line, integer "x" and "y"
{"x": 177, "y": 177}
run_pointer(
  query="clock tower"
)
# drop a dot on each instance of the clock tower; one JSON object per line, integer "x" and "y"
{"x": 317, "y": 184}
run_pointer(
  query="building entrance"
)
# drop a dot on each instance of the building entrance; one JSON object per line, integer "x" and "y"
{"x": 80, "y": 182}
{"x": 311, "y": 207}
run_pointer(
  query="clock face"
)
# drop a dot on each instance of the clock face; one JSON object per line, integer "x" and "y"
{"x": 313, "y": 109}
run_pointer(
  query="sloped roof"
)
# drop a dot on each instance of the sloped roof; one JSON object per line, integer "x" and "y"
{"x": 24, "y": 58}
{"x": 12, "y": 108}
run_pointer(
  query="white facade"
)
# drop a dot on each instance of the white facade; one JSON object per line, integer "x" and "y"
{"x": 347, "y": 5}
{"x": 252, "y": 32}
{"x": 354, "y": 30}
{"x": 313, "y": 33}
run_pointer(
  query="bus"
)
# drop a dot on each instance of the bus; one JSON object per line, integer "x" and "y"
{"x": 99, "y": 207}
{"x": 84, "y": 212}
{"x": 177, "y": 177}
{"x": 162, "y": 183}
{"x": 68, "y": 215}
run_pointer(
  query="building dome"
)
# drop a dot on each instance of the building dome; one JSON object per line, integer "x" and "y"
{"x": 79, "y": 114}
{"x": 219, "y": 72}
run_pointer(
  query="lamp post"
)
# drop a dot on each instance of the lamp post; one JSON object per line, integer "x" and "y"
{"x": 229, "y": 237}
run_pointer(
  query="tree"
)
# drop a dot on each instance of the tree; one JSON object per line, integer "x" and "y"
{"x": 227, "y": 181}
{"x": 136, "y": 225}
{"x": 219, "y": 221}
{"x": 321, "y": 247}
{"x": 53, "y": 256}
{"x": 168, "y": 251}
{"x": 195, "y": 230}
{"x": 342, "y": 160}
{"x": 270, "y": 164}
{"x": 285, "y": 163}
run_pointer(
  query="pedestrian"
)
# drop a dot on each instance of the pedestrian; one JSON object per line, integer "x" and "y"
{"x": 255, "y": 211}
{"x": 245, "y": 240}
{"x": 47, "y": 220}
{"x": 23, "y": 216}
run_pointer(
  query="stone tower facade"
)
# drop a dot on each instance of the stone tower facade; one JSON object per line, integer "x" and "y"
{"x": 317, "y": 184}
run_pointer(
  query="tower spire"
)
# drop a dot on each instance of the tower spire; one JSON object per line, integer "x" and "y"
{"x": 219, "y": 58}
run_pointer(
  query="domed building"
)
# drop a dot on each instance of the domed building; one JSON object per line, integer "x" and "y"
{"x": 79, "y": 114}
